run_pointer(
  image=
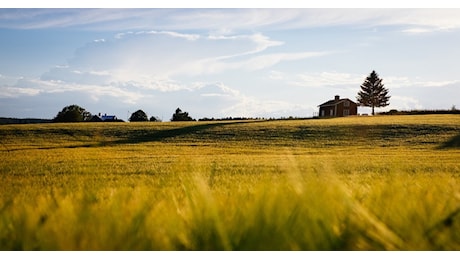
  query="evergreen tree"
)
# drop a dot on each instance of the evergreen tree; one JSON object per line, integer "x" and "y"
{"x": 373, "y": 93}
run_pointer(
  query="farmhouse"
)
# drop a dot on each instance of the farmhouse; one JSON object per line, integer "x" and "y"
{"x": 103, "y": 118}
{"x": 338, "y": 107}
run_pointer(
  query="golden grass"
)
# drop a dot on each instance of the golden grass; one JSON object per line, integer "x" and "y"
{"x": 362, "y": 183}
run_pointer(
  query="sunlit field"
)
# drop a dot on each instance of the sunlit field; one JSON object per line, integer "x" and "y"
{"x": 356, "y": 183}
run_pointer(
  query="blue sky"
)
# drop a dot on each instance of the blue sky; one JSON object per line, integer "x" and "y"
{"x": 262, "y": 62}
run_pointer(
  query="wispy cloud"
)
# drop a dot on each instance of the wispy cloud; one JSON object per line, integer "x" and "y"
{"x": 322, "y": 79}
{"x": 91, "y": 19}
{"x": 253, "y": 107}
{"x": 261, "y": 42}
{"x": 426, "y": 30}
{"x": 405, "y": 102}
{"x": 269, "y": 60}
{"x": 405, "y": 82}
{"x": 331, "y": 79}
{"x": 149, "y": 55}
{"x": 33, "y": 87}
{"x": 224, "y": 21}
{"x": 14, "y": 92}
{"x": 190, "y": 37}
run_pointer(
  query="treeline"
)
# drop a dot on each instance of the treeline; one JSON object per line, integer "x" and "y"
{"x": 253, "y": 118}
{"x": 7, "y": 120}
{"x": 230, "y": 118}
{"x": 75, "y": 113}
{"x": 421, "y": 112}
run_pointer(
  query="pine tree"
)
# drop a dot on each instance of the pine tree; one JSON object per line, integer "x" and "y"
{"x": 373, "y": 93}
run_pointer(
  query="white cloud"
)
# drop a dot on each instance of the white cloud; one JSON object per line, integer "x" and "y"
{"x": 153, "y": 83}
{"x": 331, "y": 79}
{"x": 322, "y": 79}
{"x": 189, "y": 37}
{"x": 428, "y": 29}
{"x": 405, "y": 102}
{"x": 277, "y": 75}
{"x": 201, "y": 99}
{"x": 405, "y": 82}
{"x": 100, "y": 73}
{"x": 253, "y": 107}
{"x": 261, "y": 42}
{"x": 122, "y": 35}
{"x": 418, "y": 30}
{"x": 34, "y": 87}
{"x": 255, "y": 62}
{"x": 6, "y": 80}
{"x": 14, "y": 92}
{"x": 146, "y": 56}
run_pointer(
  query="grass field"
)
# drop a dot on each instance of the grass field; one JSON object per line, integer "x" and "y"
{"x": 356, "y": 183}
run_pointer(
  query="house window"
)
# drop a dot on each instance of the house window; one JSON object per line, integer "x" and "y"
{"x": 347, "y": 103}
{"x": 323, "y": 112}
{"x": 346, "y": 112}
{"x": 332, "y": 112}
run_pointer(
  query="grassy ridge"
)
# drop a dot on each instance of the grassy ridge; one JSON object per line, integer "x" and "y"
{"x": 376, "y": 183}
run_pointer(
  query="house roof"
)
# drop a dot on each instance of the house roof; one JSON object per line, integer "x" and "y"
{"x": 104, "y": 117}
{"x": 334, "y": 102}
{"x": 95, "y": 119}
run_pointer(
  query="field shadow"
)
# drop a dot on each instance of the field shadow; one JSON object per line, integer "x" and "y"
{"x": 142, "y": 136}
{"x": 454, "y": 142}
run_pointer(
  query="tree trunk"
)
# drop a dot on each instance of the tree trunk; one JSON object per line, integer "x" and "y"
{"x": 373, "y": 110}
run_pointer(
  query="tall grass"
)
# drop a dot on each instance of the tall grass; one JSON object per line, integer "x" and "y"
{"x": 381, "y": 183}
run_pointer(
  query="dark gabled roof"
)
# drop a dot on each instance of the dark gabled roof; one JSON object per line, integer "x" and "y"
{"x": 334, "y": 102}
{"x": 95, "y": 119}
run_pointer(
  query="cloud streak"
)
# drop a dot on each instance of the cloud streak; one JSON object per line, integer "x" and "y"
{"x": 224, "y": 21}
{"x": 331, "y": 79}
{"x": 150, "y": 55}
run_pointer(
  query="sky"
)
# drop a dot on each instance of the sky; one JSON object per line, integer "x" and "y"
{"x": 223, "y": 62}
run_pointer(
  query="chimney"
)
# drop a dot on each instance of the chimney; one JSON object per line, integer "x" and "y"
{"x": 337, "y": 97}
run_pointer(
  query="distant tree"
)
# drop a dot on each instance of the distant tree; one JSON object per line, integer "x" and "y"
{"x": 72, "y": 113}
{"x": 138, "y": 116}
{"x": 181, "y": 116}
{"x": 154, "y": 119}
{"x": 373, "y": 93}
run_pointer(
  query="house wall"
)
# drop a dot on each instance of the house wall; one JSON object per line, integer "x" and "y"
{"x": 327, "y": 111}
{"x": 350, "y": 110}
{"x": 341, "y": 109}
